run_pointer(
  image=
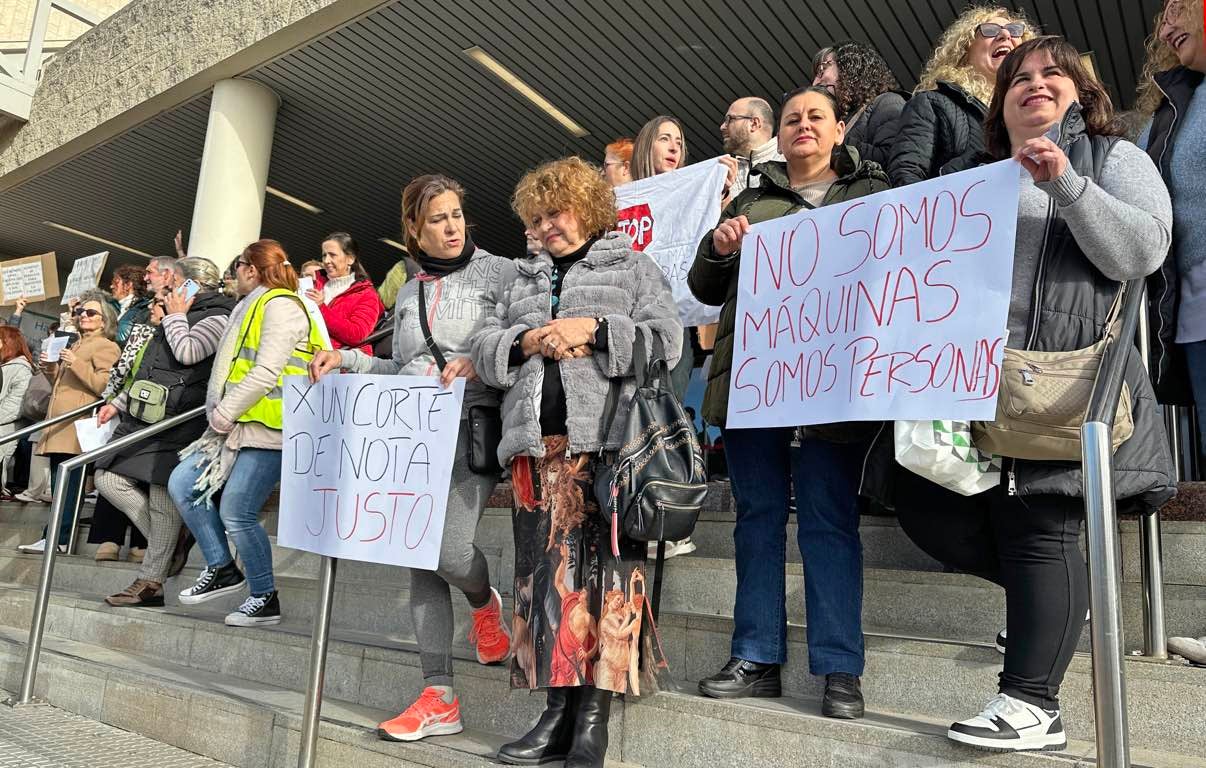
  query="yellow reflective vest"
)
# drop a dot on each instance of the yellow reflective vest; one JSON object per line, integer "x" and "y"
{"x": 269, "y": 409}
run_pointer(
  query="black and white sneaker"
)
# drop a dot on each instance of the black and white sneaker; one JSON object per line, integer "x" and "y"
{"x": 213, "y": 583}
{"x": 256, "y": 610}
{"x": 1001, "y": 638}
{"x": 1011, "y": 725}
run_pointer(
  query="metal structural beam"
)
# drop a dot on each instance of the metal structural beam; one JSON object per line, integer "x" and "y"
{"x": 17, "y": 84}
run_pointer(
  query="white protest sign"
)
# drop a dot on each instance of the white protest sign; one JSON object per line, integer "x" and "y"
{"x": 891, "y": 306}
{"x": 23, "y": 279}
{"x": 85, "y": 274}
{"x": 666, "y": 216}
{"x": 316, "y": 317}
{"x": 366, "y": 466}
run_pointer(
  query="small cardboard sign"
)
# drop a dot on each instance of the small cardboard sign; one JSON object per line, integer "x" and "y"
{"x": 32, "y": 278}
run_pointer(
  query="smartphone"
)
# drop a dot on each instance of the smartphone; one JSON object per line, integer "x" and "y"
{"x": 189, "y": 288}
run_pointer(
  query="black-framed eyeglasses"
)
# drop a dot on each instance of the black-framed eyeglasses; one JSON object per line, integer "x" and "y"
{"x": 242, "y": 263}
{"x": 78, "y": 311}
{"x": 990, "y": 29}
{"x": 730, "y": 118}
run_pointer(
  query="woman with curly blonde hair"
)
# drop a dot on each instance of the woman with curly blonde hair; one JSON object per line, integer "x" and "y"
{"x": 941, "y": 128}
{"x": 1173, "y": 93}
{"x": 562, "y": 331}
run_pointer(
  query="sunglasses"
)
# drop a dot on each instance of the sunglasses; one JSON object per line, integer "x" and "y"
{"x": 242, "y": 263}
{"x": 78, "y": 311}
{"x": 991, "y": 30}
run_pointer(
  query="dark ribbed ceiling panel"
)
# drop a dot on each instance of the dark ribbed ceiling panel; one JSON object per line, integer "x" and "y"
{"x": 391, "y": 96}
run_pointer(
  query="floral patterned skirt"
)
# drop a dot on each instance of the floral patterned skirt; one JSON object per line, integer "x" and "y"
{"x": 581, "y": 615}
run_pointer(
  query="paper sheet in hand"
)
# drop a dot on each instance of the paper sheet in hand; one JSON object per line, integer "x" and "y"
{"x": 92, "y": 435}
{"x": 53, "y": 346}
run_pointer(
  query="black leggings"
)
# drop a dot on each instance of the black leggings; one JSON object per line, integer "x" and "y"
{"x": 1029, "y": 546}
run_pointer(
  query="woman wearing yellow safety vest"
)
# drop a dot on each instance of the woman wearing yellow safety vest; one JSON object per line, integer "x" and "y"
{"x": 269, "y": 336}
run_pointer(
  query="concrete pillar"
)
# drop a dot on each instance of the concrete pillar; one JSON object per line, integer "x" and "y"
{"x": 234, "y": 170}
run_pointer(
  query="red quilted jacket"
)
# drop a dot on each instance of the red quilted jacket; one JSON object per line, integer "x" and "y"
{"x": 352, "y": 315}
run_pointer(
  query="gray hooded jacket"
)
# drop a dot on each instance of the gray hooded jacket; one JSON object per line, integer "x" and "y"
{"x": 612, "y": 281}
{"x": 457, "y": 306}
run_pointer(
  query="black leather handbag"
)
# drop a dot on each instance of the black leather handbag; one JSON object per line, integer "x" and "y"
{"x": 485, "y": 421}
{"x": 653, "y": 488}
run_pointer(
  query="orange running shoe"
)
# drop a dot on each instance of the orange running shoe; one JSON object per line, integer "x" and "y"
{"x": 428, "y": 716}
{"x": 489, "y": 635}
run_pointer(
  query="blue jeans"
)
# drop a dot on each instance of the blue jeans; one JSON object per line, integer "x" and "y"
{"x": 255, "y": 473}
{"x": 762, "y": 468}
{"x": 73, "y": 484}
{"x": 1195, "y": 358}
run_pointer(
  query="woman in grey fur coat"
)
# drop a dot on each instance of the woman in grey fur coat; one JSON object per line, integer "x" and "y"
{"x": 561, "y": 332}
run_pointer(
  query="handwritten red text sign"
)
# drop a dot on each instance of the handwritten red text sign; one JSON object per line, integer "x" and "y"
{"x": 891, "y": 306}
{"x": 366, "y": 466}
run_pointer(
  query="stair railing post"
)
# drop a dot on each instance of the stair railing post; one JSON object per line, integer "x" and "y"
{"x": 1151, "y": 556}
{"x": 1105, "y": 597}
{"x": 307, "y": 751}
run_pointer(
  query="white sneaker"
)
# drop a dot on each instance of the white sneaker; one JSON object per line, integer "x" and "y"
{"x": 25, "y": 498}
{"x": 673, "y": 548}
{"x": 37, "y": 548}
{"x": 1188, "y": 648}
{"x": 1011, "y": 725}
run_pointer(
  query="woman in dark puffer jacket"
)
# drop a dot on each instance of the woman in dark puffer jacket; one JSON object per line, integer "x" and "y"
{"x": 868, "y": 94}
{"x": 941, "y": 128}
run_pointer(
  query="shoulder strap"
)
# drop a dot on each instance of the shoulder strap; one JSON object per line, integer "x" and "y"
{"x": 426, "y": 328}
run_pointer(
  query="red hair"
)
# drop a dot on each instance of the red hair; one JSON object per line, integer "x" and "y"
{"x": 621, "y": 148}
{"x": 12, "y": 345}
{"x": 271, "y": 261}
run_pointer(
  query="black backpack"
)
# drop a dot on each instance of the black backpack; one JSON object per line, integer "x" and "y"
{"x": 654, "y": 487}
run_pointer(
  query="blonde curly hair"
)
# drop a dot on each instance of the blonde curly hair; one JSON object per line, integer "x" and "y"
{"x": 1160, "y": 57}
{"x": 568, "y": 184}
{"x": 949, "y": 61}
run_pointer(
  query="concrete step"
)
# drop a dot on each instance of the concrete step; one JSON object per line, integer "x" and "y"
{"x": 936, "y": 680}
{"x": 234, "y": 718}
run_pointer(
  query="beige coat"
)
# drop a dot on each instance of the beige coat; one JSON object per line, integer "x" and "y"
{"x": 76, "y": 385}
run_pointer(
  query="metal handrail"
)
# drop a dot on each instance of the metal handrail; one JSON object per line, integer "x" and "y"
{"x": 1101, "y": 524}
{"x": 20, "y": 433}
{"x": 54, "y": 527}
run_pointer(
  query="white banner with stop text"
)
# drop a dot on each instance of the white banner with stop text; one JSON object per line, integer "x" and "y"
{"x": 366, "y": 466}
{"x": 666, "y": 216}
{"x": 891, "y": 306}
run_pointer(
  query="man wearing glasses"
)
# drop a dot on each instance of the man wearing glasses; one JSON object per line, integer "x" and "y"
{"x": 748, "y": 131}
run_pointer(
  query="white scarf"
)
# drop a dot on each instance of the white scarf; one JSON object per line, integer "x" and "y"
{"x": 213, "y": 453}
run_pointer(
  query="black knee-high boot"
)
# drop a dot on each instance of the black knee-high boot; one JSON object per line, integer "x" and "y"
{"x": 590, "y": 729}
{"x": 550, "y": 740}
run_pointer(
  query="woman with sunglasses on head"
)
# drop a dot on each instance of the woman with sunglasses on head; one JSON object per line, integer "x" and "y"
{"x": 868, "y": 94}
{"x": 269, "y": 336}
{"x": 80, "y": 375}
{"x": 942, "y": 127}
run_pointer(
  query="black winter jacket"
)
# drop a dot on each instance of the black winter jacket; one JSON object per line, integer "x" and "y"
{"x": 940, "y": 131}
{"x": 1073, "y": 300}
{"x": 153, "y": 460}
{"x": 1170, "y": 376}
{"x": 873, "y": 132}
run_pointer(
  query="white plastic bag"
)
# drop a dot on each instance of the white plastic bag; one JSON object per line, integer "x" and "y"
{"x": 942, "y": 452}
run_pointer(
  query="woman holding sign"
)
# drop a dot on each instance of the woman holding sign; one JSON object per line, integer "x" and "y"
{"x": 564, "y": 327}
{"x": 268, "y": 336}
{"x": 1093, "y": 213}
{"x": 80, "y": 375}
{"x": 435, "y": 319}
{"x": 763, "y": 463}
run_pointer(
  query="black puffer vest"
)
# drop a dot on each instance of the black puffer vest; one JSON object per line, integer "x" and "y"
{"x": 1170, "y": 376}
{"x": 153, "y": 460}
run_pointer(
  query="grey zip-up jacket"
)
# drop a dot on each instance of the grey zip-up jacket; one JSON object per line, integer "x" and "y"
{"x": 457, "y": 306}
{"x": 612, "y": 281}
